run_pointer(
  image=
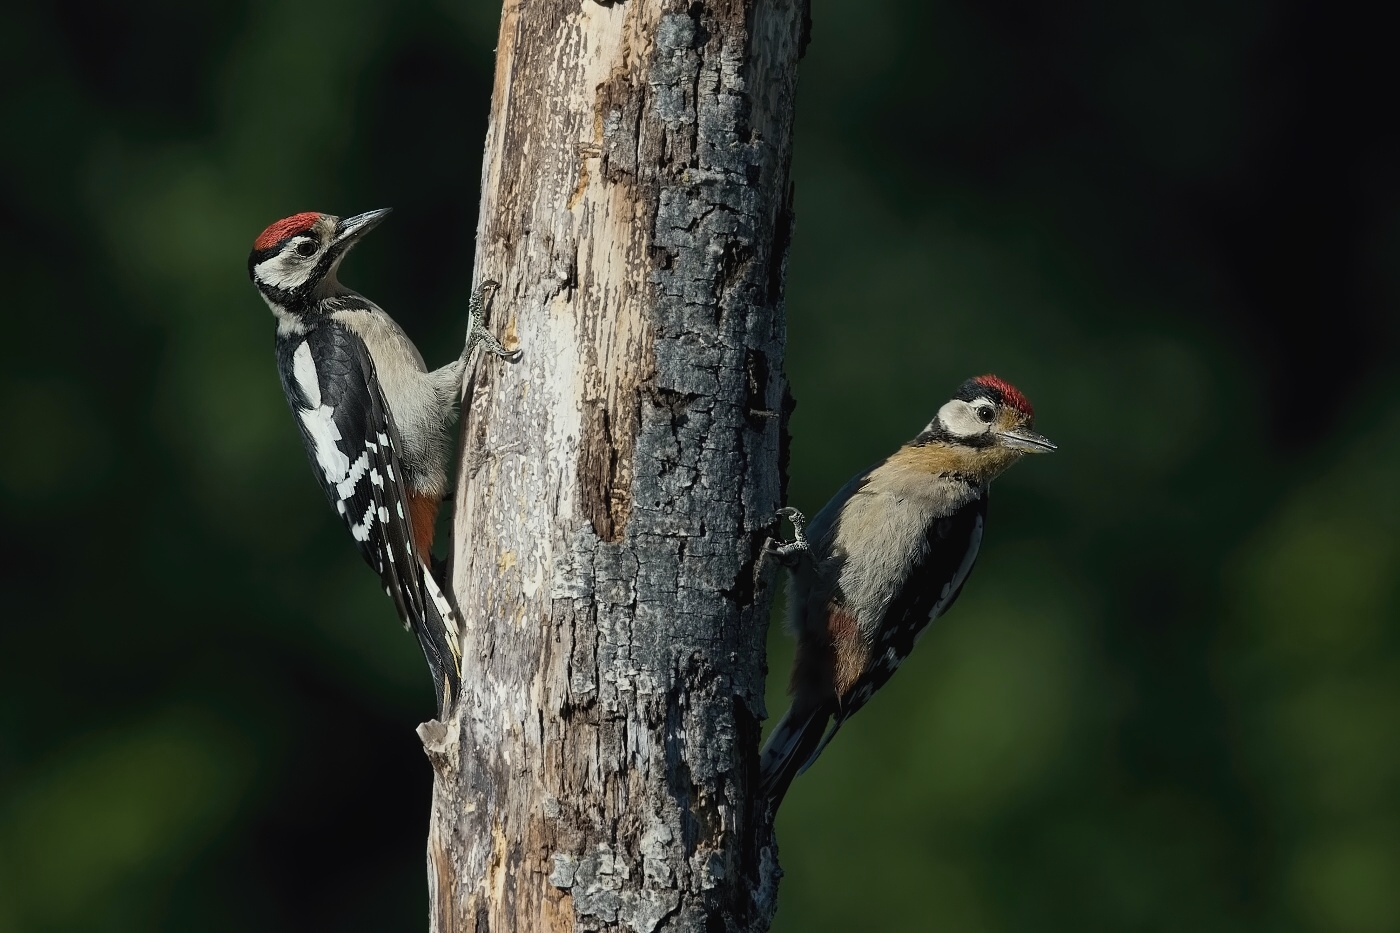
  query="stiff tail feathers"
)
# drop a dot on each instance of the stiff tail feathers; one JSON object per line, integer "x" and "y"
{"x": 794, "y": 744}
{"x": 440, "y": 637}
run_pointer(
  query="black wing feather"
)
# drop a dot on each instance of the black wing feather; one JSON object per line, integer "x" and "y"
{"x": 365, "y": 482}
{"x": 951, "y": 550}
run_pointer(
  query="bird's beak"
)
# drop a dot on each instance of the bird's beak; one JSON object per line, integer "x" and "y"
{"x": 352, "y": 228}
{"x": 1025, "y": 439}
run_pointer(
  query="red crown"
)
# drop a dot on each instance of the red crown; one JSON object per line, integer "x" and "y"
{"x": 1010, "y": 395}
{"x": 287, "y": 226}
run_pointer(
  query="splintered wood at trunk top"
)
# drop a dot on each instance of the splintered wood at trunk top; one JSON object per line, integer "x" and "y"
{"x": 617, "y": 485}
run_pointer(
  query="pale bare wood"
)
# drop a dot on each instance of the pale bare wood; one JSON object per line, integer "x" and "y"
{"x": 617, "y": 485}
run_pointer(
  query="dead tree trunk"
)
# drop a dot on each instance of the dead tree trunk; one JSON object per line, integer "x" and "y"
{"x": 617, "y": 485}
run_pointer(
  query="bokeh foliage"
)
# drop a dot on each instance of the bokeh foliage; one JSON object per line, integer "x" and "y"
{"x": 1170, "y": 696}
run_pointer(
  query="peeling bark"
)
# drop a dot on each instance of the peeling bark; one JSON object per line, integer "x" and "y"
{"x": 617, "y": 485}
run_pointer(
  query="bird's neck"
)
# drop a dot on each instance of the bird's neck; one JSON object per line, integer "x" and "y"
{"x": 298, "y": 311}
{"x": 977, "y": 465}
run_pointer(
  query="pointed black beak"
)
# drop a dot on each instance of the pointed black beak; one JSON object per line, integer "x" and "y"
{"x": 351, "y": 229}
{"x": 1025, "y": 439}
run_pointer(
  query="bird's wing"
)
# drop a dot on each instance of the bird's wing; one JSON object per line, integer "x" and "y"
{"x": 933, "y": 586}
{"x": 352, "y": 441}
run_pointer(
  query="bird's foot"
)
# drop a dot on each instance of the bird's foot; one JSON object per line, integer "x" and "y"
{"x": 477, "y": 334}
{"x": 788, "y": 552}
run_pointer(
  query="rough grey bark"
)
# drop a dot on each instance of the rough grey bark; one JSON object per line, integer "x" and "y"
{"x": 617, "y": 485}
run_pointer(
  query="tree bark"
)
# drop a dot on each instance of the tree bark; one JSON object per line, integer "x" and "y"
{"x": 617, "y": 486}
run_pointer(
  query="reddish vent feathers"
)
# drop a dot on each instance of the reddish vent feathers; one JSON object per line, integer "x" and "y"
{"x": 1010, "y": 394}
{"x": 287, "y": 226}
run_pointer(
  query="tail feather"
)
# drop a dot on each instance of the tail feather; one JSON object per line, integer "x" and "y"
{"x": 440, "y": 637}
{"x": 794, "y": 744}
{"x": 828, "y": 735}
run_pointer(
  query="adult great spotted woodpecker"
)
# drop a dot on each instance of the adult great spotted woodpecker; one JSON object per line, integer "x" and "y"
{"x": 375, "y": 422}
{"x": 888, "y": 554}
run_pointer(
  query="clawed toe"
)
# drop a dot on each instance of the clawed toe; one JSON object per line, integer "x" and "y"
{"x": 788, "y": 551}
{"x": 476, "y": 329}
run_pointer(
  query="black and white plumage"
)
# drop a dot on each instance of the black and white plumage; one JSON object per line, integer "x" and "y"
{"x": 352, "y": 442}
{"x": 375, "y": 422}
{"x": 889, "y": 553}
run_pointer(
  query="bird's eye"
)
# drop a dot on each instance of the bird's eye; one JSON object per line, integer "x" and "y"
{"x": 306, "y": 248}
{"x": 986, "y": 414}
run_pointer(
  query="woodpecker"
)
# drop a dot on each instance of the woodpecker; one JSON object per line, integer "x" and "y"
{"x": 887, "y": 555}
{"x": 375, "y": 422}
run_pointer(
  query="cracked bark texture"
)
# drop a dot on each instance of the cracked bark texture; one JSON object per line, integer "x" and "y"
{"x": 617, "y": 485}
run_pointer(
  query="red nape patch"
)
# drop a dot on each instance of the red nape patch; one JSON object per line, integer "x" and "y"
{"x": 1009, "y": 393}
{"x": 287, "y": 226}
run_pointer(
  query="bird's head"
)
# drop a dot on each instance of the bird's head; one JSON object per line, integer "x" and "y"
{"x": 989, "y": 412}
{"x": 294, "y": 261}
{"x": 985, "y": 427}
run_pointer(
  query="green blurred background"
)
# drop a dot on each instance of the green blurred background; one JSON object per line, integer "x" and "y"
{"x": 1168, "y": 700}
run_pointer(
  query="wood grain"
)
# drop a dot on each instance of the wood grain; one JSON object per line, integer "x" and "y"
{"x": 617, "y": 484}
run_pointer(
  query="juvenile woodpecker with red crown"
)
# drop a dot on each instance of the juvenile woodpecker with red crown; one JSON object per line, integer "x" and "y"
{"x": 375, "y": 421}
{"x": 887, "y": 555}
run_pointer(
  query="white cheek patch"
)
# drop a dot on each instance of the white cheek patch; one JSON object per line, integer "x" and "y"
{"x": 281, "y": 272}
{"x": 960, "y": 418}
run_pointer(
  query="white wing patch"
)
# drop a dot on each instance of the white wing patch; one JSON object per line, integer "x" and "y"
{"x": 368, "y": 493}
{"x": 304, "y": 371}
{"x": 319, "y": 420}
{"x": 361, "y": 531}
{"x": 346, "y": 487}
